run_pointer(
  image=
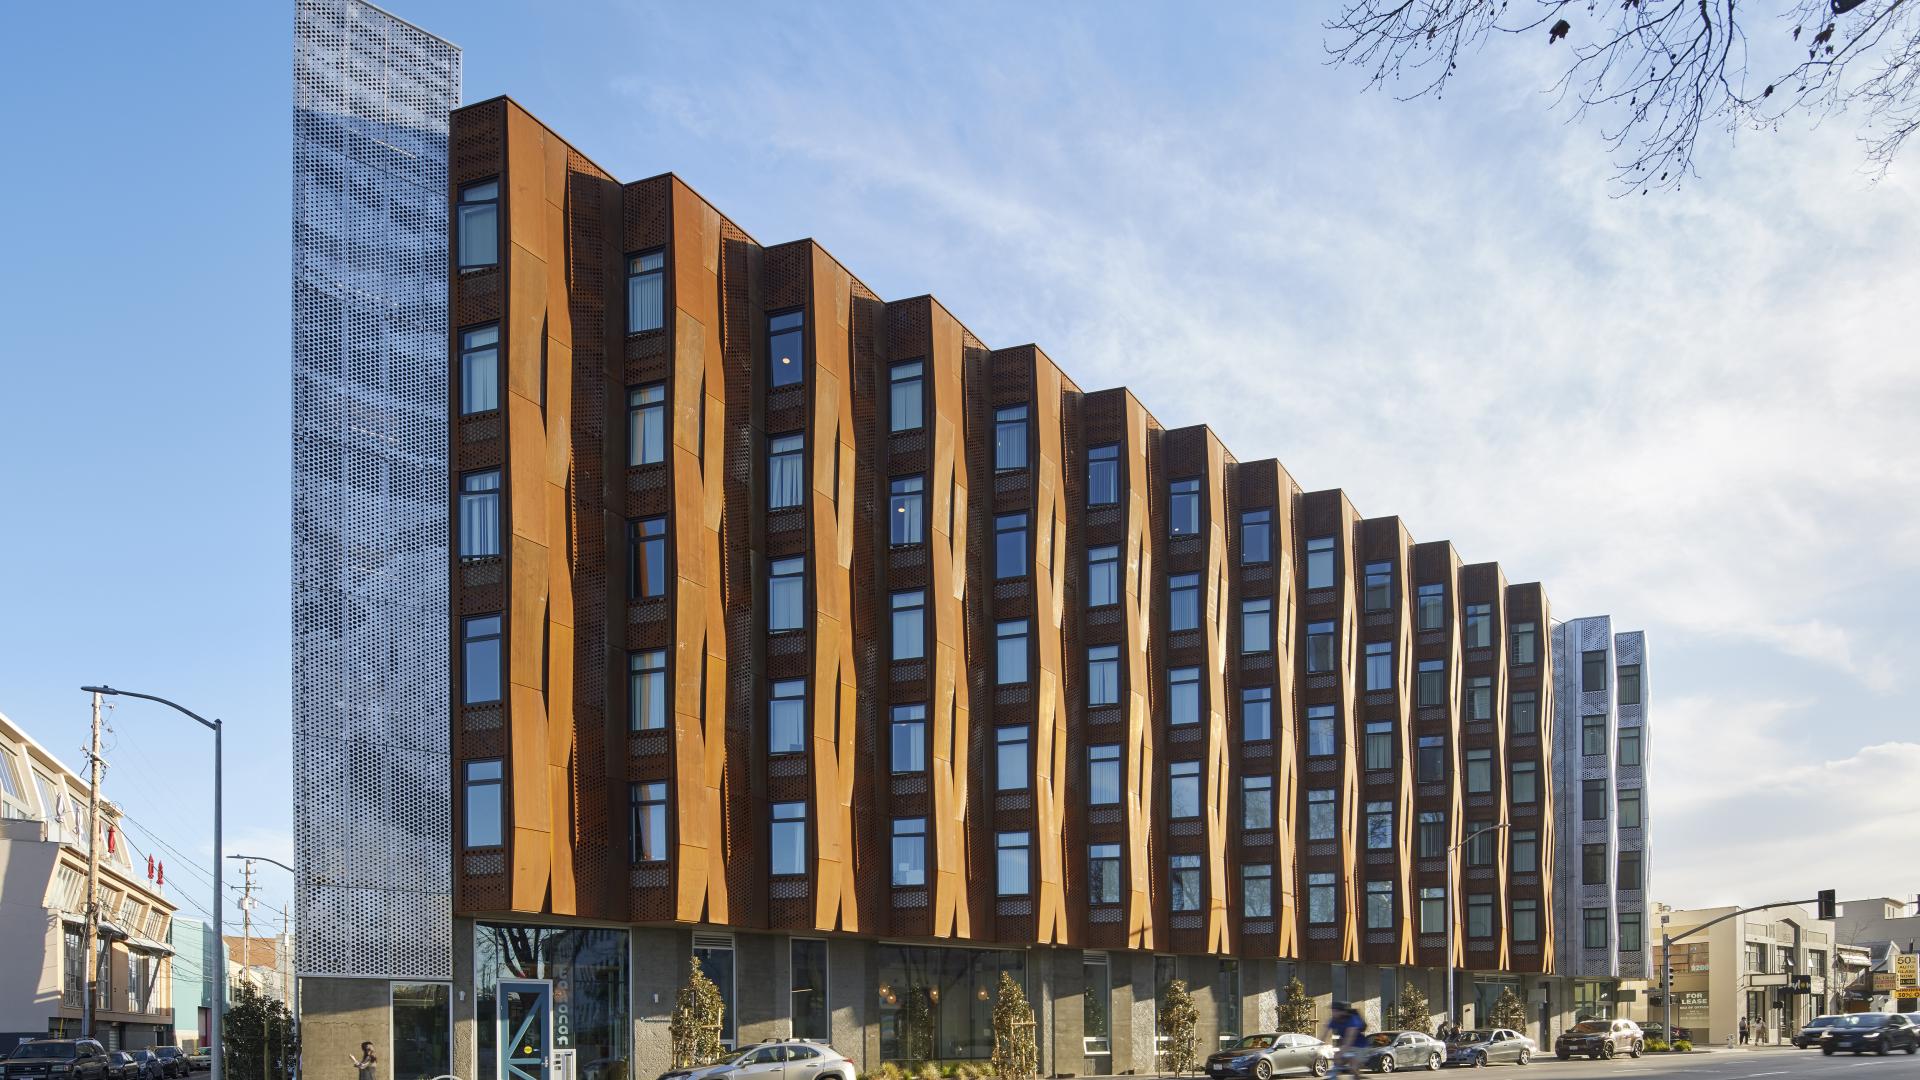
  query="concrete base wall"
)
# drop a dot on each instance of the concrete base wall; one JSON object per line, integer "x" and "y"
{"x": 336, "y": 1016}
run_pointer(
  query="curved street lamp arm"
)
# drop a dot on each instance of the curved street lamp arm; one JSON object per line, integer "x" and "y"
{"x": 212, "y": 725}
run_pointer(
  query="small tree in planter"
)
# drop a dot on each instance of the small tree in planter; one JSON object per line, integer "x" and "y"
{"x": 1015, "y": 1057}
{"x": 1508, "y": 1010}
{"x": 694, "y": 1030}
{"x": 917, "y": 1025}
{"x": 1180, "y": 1023}
{"x": 1296, "y": 1011}
{"x": 1412, "y": 1013}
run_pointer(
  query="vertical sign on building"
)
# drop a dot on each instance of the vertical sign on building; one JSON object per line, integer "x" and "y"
{"x": 370, "y": 695}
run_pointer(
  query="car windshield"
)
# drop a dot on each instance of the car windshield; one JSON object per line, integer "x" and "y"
{"x": 1822, "y": 1021}
{"x": 1380, "y": 1038}
{"x": 1861, "y": 1020}
{"x": 44, "y": 1050}
{"x": 1472, "y": 1036}
{"x": 1256, "y": 1042}
{"x": 1592, "y": 1027}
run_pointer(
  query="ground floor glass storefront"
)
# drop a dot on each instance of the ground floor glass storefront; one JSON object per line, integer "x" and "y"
{"x": 422, "y": 1030}
{"x": 1592, "y": 1000}
{"x": 538, "y": 989}
{"x": 937, "y": 1003}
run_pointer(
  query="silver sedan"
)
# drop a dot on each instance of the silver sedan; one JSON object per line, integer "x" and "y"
{"x": 1490, "y": 1046}
{"x": 1270, "y": 1054}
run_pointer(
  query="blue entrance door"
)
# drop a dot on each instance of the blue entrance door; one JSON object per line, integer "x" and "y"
{"x": 525, "y": 1015}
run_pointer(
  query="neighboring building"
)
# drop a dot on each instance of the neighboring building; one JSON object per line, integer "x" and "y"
{"x": 193, "y": 960}
{"x": 264, "y": 961}
{"x": 1851, "y": 988}
{"x": 1747, "y": 966}
{"x": 1600, "y": 753}
{"x": 43, "y": 866}
{"x": 1888, "y": 927}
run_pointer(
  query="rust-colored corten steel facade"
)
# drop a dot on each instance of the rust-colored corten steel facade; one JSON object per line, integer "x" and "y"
{"x": 894, "y": 637}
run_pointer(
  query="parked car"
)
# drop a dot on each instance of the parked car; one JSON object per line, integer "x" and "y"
{"x": 173, "y": 1058}
{"x": 121, "y": 1066}
{"x": 1490, "y": 1046}
{"x": 1267, "y": 1054}
{"x": 1879, "y": 1033}
{"x": 1600, "y": 1039}
{"x": 73, "y": 1059}
{"x": 1657, "y": 1030}
{"x": 201, "y": 1060}
{"x": 152, "y": 1067}
{"x": 1385, "y": 1051}
{"x": 791, "y": 1059}
{"x": 1809, "y": 1036}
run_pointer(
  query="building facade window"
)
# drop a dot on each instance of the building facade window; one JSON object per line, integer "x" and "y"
{"x": 485, "y": 803}
{"x": 1183, "y": 507}
{"x": 1433, "y": 910}
{"x": 1183, "y": 789}
{"x": 1593, "y": 924}
{"x": 907, "y": 738}
{"x": 907, "y": 510}
{"x": 1379, "y": 665}
{"x": 646, "y": 291}
{"x": 1629, "y": 808}
{"x": 647, "y": 424}
{"x": 1379, "y": 745}
{"x": 1479, "y": 915}
{"x": 786, "y": 348}
{"x": 1184, "y": 872}
{"x": 480, "y": 369}
{"x": 1430, "y": 684}
{"x": 1431, "y": 833}
{"x": 1010, "y": 760}
{"x": 1523, "y": 788}
{"x": 1480, "y": 697}
{"x": 1479, "y": 626}
{"x": 1183, "y": 602}
{"x": 1593, "y": 799}
{"x": 1380, "y": 825}
{"x": 1103, "y": 475}
{"x": 1010, "y": 546}
{"x": 1320, "y": 562}
{"x": 647, "y": 558}
{"x": 480, "y": 659}
{"x": 1103, "y": 576}
{"x": 1319, "y": 647}
{"x": 807, "y": 966}
{"x": 480, "y": 514}
{"x": 1593, "y": 671}
{"x": 1481, "y": 837}
{"x": 1256, "y": 891}
{"x": 1379, "y": 905}
{"x": 909, "y": 852}
{"x": 786, "y": 471}
{"x": 1256, "y": 714}
{"x": 1525, "y": 643}
{"x": 1320, "y": 737}
{"x": 1629, "y": 880}
{"x": 1593, "y": 735}
{"x": 787, "y": 717}
{"x": 1526, "y": 920}
{"x": 1432, "y": 604}
{"x": 1430, "y": 759}
{"x": 786, "y": 594}
{"x": 1593, "y": 864}
{"x": 909, "y": 624}
{"x": 1010, "y": 651}
{"x": 1103, "y": 675}
{"x": 1321, "y": 821}
{"x": 1378, "y": 595}
{"x": 647, "y": 690}
{"x": 1523, "y": 713}
{"x": 1183, "y": 695}
{"x": 906, "y": 396}
{"x": 1256, "y": 624}
{"x": 1629, "y": 740}
{"x": 1479, "y": 771}
{"x": 1525, "y": 851}
{"x": 787, "y": 839}
{"x": 1256, "y": 537}
{"x": 1628, "y": 692}
{"x": 1011, "y": 849}
{"x": 478, "y": 215}
{"x": 1010, "y": 438}
{"x": 647, "y": 807}
{"x": 1256, "y": 803}
{"x": 1629, "y": 931}
{"x": 1103, "y": 775}
{"x": 1320, "y": 899}
{"x": 1103, "y": 873}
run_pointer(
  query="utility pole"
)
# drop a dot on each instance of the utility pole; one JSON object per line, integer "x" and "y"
{"x": 246, "y": 921}
{"x": 90, "y": 929}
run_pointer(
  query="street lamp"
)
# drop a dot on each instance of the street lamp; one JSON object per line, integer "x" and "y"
{"x": 220, "y": 969}
{"x": 296, "y": 975}
{"x": 1453, "y": 906}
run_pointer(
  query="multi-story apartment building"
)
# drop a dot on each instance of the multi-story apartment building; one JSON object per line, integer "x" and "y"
{"x": 43, "y": 870}
{"x": 1600, "y": 756}
{"x": 1746, "y": 967}
{"x": 194, "y": 957}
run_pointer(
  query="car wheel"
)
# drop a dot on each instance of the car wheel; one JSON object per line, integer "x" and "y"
{"x": 1635, "y": 1052}
{"x": 1320, "y": 1066}
{"x": 1525, "y": 1058}
{"x": 1827, "y": 1050}
{"x": 1563, "y": 1055}
{"x": 1263, "y": 1069}
{"x": 1882, "y": 1048}
{"x": 1386, "y": 1063}
{"x": 1433, "y": 1062}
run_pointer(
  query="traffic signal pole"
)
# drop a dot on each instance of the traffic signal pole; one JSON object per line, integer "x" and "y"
{"x": 1823, "y": 905}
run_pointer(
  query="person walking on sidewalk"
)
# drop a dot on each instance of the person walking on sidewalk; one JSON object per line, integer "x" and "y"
{"x": 1744, "y": 1031}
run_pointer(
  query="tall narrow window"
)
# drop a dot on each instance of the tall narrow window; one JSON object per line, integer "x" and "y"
{"x": 1183, "y": 602}
{"x": 647, "y": 424}
{"x": 787, "y": 717}
{"x": 1011, "y": 863}
{"x": 787, "y": 839}
{"x": 1183, "y": 789}
{"x": 1525, "y": 851}
{"x": 906, "y": 401}
{"x": 647, "y": 832}
{"x": 1431, "y": 833}
{"x": 910, "y": 624}
{"x": 1593, "y": 864}
{"x": 480, "y": 514}
{"x": 786, "y": 594}
{"x": 906, "y": 503}
{"x": 786, "y": 348}
{"x": 1256, "y": 714}
{"x": 646, "y": 291}
{"x": 1103, "y": 775}
{"x": 1379, "y": 586}
{"x": 1256, "y": 537}
{"x": 1629, "y": 799}
{"x": 1430, "y": 765}
{"x": 1320, "y": 562}
{"x": 1380, "y": 825}
{"x": 1629, "y": 741}
{"x": 1184, "y": 871}
{"x": 1629, "y": 879}
{"x": 1430, "y": 684}
{"x": 1479, "y": 626}
{"x": 909, "y": 852}
{"x": 1319, "y": 647}
{"x": 1103, "y": 575}
{"x": 1103, "y": 475}
{"x": 1629, "y": 675}
{"x": 1432, "y": 606}
{"x": 807, "y": 965}
{"x": 1321, "y": 819}
{"x": 1379, "y": 665}
{"x": 1523, "y": 713}
{"x": 647, "y": 690}
{"x": 1526, "y": 920}
{"x": 1379, "y": 905}
{"x": 1010, "y": 546}
{"x": 1103, "y": 675}
{"x": 647, "y": 558}
{"x": 1593, "y": 799}
{"x": 1103, "y": 873}
{"x": 1524, "y": 643}
{"x": 1320, "y": 899}
{"x": 907, "y": 738}
{"x": 1379, "y": 745}
{"x": 1256, "y": 890}
{"x": 1183, "y": 507}
{"x": 1593, "y": 671}
{"x": 1480, "y": 915}
{"x": 1183, "y": 695}
{"x": 1593, "y": 735}
{"x": 480, "y": 369}
{"x": 1479, "y": 771}
{"x": 1010, "y": 439}
{"x": 1480, "y": 697}
{"x": 1433, "y": 910}
{"x": 480, "y": 659}
{"x": 1256, "y": 802}
{"x": 1010, "y": 652}
{"x": 479, "y": 217}
{"x": 1593, "y": 926}
{"x": 1256, "y": 624}
{"x": 786, "y": 471}
{"x": 1011, "y": 769}
{"x": 484, "y": 803}
{"x": 1320, "y": 739}
{"x": 1629, "y": 931}
{"x": 1524, "y": 788}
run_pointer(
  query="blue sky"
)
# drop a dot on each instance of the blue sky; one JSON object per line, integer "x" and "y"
{"x": 1693, "y": 411}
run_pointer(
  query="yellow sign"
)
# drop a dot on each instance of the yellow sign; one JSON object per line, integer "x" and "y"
{"x": 1883, "y": 980}
{"x": 1907, "y": 967}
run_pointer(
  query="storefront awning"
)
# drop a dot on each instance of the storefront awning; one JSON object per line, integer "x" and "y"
{"x": 147, "y": 944}
{"x": 106, "y": 928}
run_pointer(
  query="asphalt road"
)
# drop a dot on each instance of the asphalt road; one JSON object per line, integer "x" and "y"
{"x": 1721, "y": 1065}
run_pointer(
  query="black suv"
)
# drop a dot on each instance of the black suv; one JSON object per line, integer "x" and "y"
{"x": 73, "y": 1059}
{"x": 1878, "y": 1033}
{"x": 1599, "y": 1039}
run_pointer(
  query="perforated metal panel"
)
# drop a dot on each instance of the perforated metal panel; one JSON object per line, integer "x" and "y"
{"x": 370, "y": 680}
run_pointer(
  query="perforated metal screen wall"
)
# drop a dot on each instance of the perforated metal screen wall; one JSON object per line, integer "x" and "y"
{"x": 370, "y": 684}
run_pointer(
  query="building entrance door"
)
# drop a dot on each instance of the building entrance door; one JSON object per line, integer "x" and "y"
{"x": 524, "y": 1011}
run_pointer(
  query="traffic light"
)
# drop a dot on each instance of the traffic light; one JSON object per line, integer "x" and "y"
{"x": 1803, "y": 984}
{"x": 1825, "y": 904}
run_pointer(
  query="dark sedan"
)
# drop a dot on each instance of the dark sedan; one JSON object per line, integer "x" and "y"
{"x": 1870, "y": 1033}
{"x": 1809, "y": 1036}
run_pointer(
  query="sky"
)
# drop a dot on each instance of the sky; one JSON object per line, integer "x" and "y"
{"x": 1693, "y": 410}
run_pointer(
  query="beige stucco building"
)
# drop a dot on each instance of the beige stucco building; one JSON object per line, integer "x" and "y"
{"x": 1744, "y": 967}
